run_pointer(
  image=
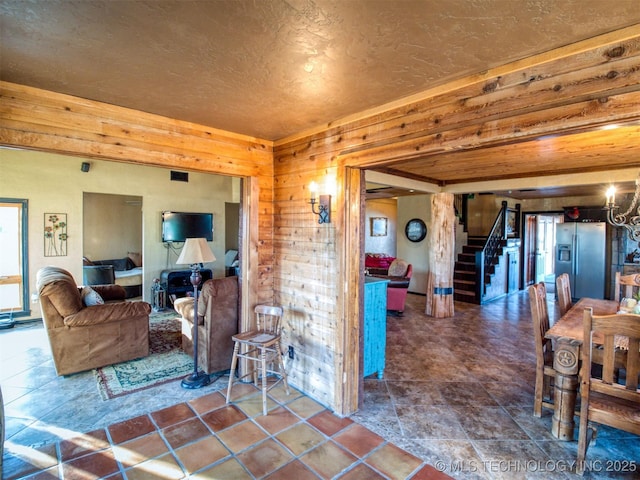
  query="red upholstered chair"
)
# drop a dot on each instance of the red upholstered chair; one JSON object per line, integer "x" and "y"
{"x": 398, "y": 286}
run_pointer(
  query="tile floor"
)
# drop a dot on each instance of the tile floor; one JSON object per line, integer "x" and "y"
{"x": 456, "y": 396}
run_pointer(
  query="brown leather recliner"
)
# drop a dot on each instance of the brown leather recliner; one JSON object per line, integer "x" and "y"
{"x": 83, "y": 338}
{"x": 217, "y": 322}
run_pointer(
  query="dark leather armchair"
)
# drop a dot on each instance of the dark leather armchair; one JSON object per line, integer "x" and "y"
{"x": 217, "y": 323}
{"x": 85, "y": 337}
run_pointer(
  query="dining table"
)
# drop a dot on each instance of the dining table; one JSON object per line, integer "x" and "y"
{"x": 567, "y": 335}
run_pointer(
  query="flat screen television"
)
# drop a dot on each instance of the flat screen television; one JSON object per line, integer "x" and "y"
{"x": 178, "y": 226}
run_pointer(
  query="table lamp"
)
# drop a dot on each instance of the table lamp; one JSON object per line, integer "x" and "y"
{"x": 195, "y": 252}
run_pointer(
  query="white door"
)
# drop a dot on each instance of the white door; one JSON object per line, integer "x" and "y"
{"x": 545, "y": 265}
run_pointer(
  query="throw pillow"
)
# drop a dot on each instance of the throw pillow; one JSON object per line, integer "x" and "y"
{"x": 90, "y": 297}
{"x": 398, "y": 268}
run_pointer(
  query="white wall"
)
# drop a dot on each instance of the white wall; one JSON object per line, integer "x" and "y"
{"x": 108, "y": 216}
{"x": 388, "y": 209}
{"x": 55, "y": 184}
{"x": 417, "y": 254}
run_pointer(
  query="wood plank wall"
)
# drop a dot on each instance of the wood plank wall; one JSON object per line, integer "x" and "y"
{"x": 575, "y": 88}
{"x": 36, "y": 119}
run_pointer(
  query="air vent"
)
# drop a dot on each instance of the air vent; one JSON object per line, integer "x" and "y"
{"x": 179, "y": 176}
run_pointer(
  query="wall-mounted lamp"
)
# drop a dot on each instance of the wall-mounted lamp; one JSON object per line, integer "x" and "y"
{"x": 324, "y": 204}
{"x": 85, "y": 166}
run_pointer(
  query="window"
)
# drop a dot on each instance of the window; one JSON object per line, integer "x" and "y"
{"x": 14, "y": 277}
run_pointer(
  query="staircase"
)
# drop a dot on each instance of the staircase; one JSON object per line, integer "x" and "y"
{"x": 464, "y": 271}
{"x": 476, "y": 265}
{"x": 465, "y": 287}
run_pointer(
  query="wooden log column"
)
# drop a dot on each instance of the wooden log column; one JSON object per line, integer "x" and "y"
{"x": 441, "y": 237}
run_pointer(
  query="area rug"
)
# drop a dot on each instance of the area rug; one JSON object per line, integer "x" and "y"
{"x": 166, "y": 361}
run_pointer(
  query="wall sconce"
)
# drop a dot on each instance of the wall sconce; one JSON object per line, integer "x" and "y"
{"x": 85, "y": 166}
{"x": 324, "y": 204}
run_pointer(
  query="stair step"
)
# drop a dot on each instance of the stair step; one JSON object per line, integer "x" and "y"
{"x": 464, "y": 267}
{"x": 464, "y": 287}
{"x": 471, "y": 264}
{"x": 466, "y": 293}
{"x": 464, "y": 275}
{"x": 476, "y": 240}
{"x": 459, "y": 297}
{"x": 467, "y": 261}
{"x": 464, "y": 296}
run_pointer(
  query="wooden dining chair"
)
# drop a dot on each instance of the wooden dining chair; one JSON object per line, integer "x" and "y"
{"x": 261, "y": 349}
{"x": 545, "y": 374}
{"x": 609, "y": 399}
{"x": 626, "y": 286}
{"x": 563, "y": 290}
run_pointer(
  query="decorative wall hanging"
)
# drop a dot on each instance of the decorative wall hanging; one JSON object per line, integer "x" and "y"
{"x": 55, "y": 234}
{"x": 378, "y": 226}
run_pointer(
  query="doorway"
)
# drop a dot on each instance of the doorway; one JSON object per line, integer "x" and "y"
{"x": 539, "y": 247}
{"x": 107, "y": 217}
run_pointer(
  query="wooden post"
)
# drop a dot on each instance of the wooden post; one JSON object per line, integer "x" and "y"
{"x": 441, "y": 235}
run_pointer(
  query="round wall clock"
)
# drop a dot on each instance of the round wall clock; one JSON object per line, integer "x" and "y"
{"x": 415, "y": 230}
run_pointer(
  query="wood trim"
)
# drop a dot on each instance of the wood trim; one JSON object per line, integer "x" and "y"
{"x": 566, "y": 119}
{"x": 36, "y": 119}
{"x": 352, "y": 293}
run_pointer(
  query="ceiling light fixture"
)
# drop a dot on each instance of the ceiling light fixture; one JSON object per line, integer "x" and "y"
{"x": 630, "y": 219}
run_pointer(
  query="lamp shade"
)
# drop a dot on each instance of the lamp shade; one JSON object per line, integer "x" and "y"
{"x": 195, "y": 250}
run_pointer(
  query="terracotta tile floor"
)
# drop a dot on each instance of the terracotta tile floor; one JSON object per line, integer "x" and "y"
{"x": 204, "y": 438}
{"x": 457, "y": 394}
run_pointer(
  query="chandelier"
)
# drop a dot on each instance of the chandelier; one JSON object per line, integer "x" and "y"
{"x": 630, "y": 219}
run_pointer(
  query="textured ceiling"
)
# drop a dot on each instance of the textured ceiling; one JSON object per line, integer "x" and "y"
{"x": 273, "y": 68}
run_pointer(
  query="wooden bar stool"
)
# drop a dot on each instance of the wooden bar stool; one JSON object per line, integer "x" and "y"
{"x": 261, "y": 347}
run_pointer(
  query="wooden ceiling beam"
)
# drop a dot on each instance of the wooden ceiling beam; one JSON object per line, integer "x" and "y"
{"x": 560, "y": 120}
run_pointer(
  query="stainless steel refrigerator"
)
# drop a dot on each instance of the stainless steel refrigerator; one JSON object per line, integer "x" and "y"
{"x": 581, "y": 252}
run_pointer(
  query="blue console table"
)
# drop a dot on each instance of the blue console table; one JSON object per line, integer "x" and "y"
{"x": 375, "y": 325}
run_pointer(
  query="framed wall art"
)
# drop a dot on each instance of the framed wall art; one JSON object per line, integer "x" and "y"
{"x": 378, "y": 226}
{"x": 55, "y": 234}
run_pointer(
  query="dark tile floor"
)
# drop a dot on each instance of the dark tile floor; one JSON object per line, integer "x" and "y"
{"x": 457, "y": 395}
